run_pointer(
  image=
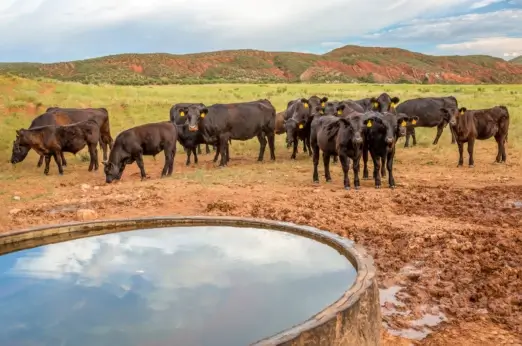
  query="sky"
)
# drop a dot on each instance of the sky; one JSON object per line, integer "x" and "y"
{"x": 64, "y": 30}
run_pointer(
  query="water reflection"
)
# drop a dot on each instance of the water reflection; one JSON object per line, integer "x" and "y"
{"x": 190, "y": 286}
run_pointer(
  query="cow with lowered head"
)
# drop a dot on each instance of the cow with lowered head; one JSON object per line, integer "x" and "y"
{"x": 241, "y": 121}
{"x": 382, "y": 132}
{"x": 53, "y": 140}
{"x": 481, "y": 124}
{"x": 341, "y": 135}
{"x": 132, "y": 144}
{"x": 430, "y": 112}
{"x": 300, "y": 111}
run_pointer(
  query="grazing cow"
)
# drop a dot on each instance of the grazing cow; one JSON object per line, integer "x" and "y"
{"x": 301, "y": 111}
{"x": 131, "y": 144}
{"x": 63, "y": 116}
{"x": 382, "y": 132}
{"x": 179, "y": 118}
{"x": 429, "y": 111}
{"x": 53, "y": 140}
{"x": 338, "y": 135}
{"x": 384, "y": 103}
{"x": 242, "y": 121}
{"x": 481, "y": 124}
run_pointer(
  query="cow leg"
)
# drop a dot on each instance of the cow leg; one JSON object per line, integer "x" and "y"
{"x": 471, "y": 146}
{"x": 199, "y": 149}
{"x": 139, "y": 162}
{"x": 262, "y": 145}
{"x": 407, "y": 140}
{"x": 223, "y": 142}
{"x": 171, "y": 162}
{"x": 365, "y": 163}
{"x": 326, "y": 163}
{"x": 345, "y": 164}
{"x": 294, "y": 152}
{"x": 218, "y": 150}
{"x": 307, "y": 141}
{"x": 93, "y": 155}
{"x": 207, "y": 149}
{"x": 356, "y": 165}
{"x": 195, "y": 156}
{"x": 315, "y": 159}
{"x": 389, "y": 166}
{"x": 376, "y": 170}
{"x": 188, "y": 151}
{"x": 120, "y": 173}
{"x": 271, "y": 145}
{"x": 414, "y": 137}
{"x": 47, "y": 163}
{"x": 58, "y": 160}
{"x": 334, "y": 159}
{"x": 168, "y": 160}
{"x": 452, "y": 131}
{"x": 40, "y": 161}
{"x": 103, "y": 146}
{"x": 383, "y": 166}
{"x": 440, "y": 127}
{"x": 64, "y": 163}
{"x": 461, "y": 149}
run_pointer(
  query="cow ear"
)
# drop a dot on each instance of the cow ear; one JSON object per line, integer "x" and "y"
{"x": 104, "y": 163}
{"x": 462, "y": 110}
{"x": 395, "y": 100}
{"x": 305, "y": 103}
{"x": 182, "y": 112}
{"x": 340, "y": 109}
{"x": 203, "y": 111}
{"x": 18, "y": 132}
{"x": 324, "y": 99}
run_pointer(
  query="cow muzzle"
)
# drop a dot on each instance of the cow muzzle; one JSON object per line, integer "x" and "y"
{"x": 358, "y": 140}
{"x": 389, "y": 140}
{"x": 193, "y": 128}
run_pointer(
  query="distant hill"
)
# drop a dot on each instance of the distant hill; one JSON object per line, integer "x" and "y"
{"x": 345, "y": 64}
{"x": 517, "y": 60}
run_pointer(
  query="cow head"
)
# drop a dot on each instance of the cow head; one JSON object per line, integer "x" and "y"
{"x": 291, "y": 128}
{"x": 20, "y": 147}
{"x": 315, "y": 101}
{"x": 300, "y": 110}
{"x": 384, "y": 103}
{"x": 353, "y": 128}
{"x": 331, "y": 108}
{"x": 450, "y": 115}
{"x": 112, "y": 171}
{"x": 195, "y": 115}
{"x": 403, "y": 121}
{"x": 385, "y": 126}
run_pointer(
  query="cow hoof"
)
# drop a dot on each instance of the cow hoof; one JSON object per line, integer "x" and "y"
{"x": 459, "y": 165}
{"x": 392, "y": 187}
{"x": 347, "y": 188}
{"x": 329, "y": 180}
{"x": 377, "y": 186}
{"x": 316, "y": 181}
{"x": 357, "y": 188}
{"x": 471, "y": 166}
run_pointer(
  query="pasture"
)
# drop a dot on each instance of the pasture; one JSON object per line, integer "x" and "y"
{"x": 447, "y": 239}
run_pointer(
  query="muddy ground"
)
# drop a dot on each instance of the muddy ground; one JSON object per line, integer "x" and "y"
{"x": 447, "y": 242}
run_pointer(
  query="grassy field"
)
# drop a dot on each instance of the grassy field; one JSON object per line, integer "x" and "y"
{"x": 460, "y": 227}
{"x": 21, "y": 100}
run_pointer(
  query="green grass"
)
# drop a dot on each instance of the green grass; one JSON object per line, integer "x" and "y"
{"x": 131, "y": 106}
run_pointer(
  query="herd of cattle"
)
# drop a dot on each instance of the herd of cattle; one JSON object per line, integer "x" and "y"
{"x": 345, "y": 129}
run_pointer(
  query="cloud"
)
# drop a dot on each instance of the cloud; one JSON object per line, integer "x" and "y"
{"x": 481, "y": 30}
{"x": 496, "y": 46}
{"x": 484, "y": 3}
{"x": 74, "y": 28}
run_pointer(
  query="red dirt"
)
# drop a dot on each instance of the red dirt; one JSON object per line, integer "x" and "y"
{"x": 459, "y": 227}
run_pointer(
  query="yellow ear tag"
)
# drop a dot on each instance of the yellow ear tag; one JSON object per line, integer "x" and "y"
{"x": 181, "y": 114}
{"x": 375, "y": 104}
{"x": 322, "y": 104}
{"x": 369, "y": 124}
{"x": 202, "y": 115}
{"x": 403, "y": 123}
{"x": 301, "y": 126}
{"x": 414, "y": 121}
{"x": 461, "y": 112}
{"x": 305, "y": 105}
{"x": 393, "y": 105}
{"x": 339, "y": 112}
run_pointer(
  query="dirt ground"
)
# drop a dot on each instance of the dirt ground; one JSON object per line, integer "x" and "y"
{"x": 447, "y": 240}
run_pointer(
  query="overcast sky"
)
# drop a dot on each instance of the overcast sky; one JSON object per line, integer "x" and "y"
{"x": 60, "y": 30}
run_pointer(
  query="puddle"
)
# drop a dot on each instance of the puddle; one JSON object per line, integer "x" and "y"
{"x": 391, "y": 306}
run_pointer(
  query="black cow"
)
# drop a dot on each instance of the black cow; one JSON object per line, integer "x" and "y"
{"x": 431, "y": 112}
{"x": 297, "y": 131}
{"x": 381, "y": 134}
{"x": 338, "y": 135}
{"x": 132, "y": 144}
{"x": 384, "y": 103}
{"x": 242, "y": 121}
{"x": 481, "y": 124}
{"x": 365, "y": 103}
{"x": 53, "y": 140}
{"x": 179, "y": 118}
